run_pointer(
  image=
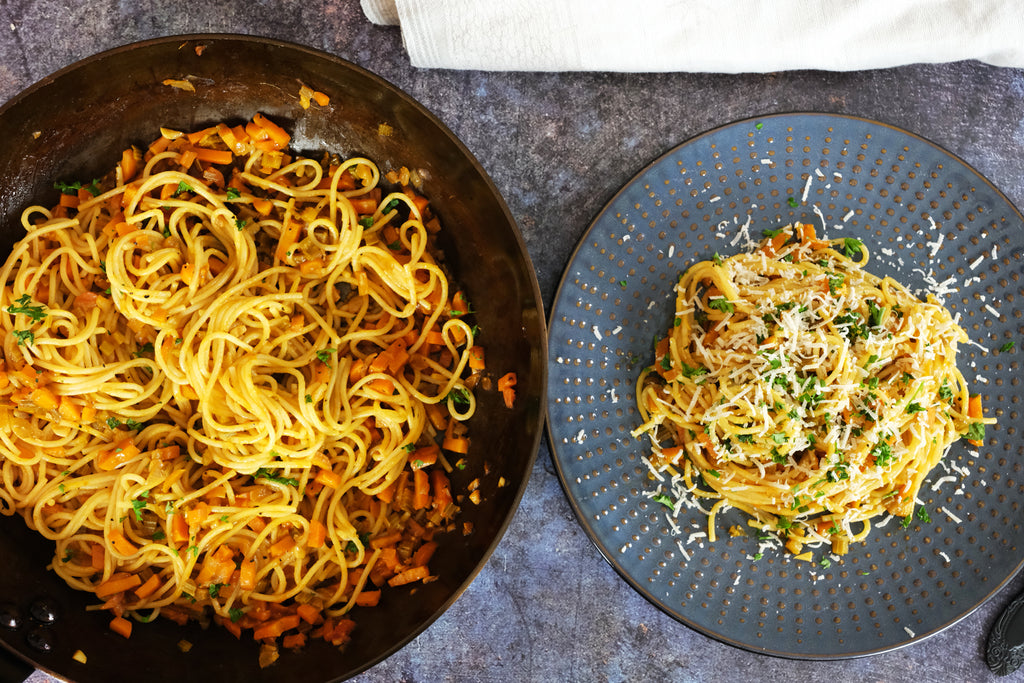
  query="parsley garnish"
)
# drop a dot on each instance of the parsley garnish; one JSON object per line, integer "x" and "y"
{"x": 309, "y": 398}
{"x": 722, "y": 305}
{"x": 459, "y": 396}
{"x": 233, "y": 194}
{"x": 883, "y": 454}
{"x": 25, "y": 337}
{"x": 325, "y": 354}
{"x": 1007, "y": 347}
{"x": 945, "y": 393}
{"x": 183, "y": 187}
{"x": 390, "y": 205}
{"x": 35, "y": 312}
{"x": 145, "y": 348}
{"x": 914, "y": 407}
{"x": 139, "y": 504}
{"x": 159, "y": 535}
{"x": 240, "y": 224}
{"x": 663, "y": 499}
{"x": 792, "y": 201}
{"x": 235, "y": 614}
{"x": 922, "y": 514}
{"x": 976, "y": 432}
{"x": 852, "y": 246}
{"x": 687, "y": 371}
{"x": 264, "y": 473}
{"x": 214, "y": 589}
{"x": 717, "y": 259}
{"x": 366, "y": 221}
{"x": 825, "y": 563}
{"x": 759, "y": 125}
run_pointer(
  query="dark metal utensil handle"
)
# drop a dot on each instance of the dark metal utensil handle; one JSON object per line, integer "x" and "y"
{"x": 1005, "y": 652}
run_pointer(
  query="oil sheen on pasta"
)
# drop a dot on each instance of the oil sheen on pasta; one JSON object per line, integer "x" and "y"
{"x": 234, "y": 385}
{"x": 803, "y": 390}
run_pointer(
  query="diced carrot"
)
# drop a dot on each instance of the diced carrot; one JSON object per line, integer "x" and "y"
{"x": 317, "y": 535}
{"x": 123, "y": 451}
{"x": 408, "y": 576}
{"x": 328, "y": 478}
{"x": 273, "y": 629}
{"x": 289, "y": 234}
{"x": 197, "y": 136}
{"x": 44, "y": 398}
{"x": 294, "y": 641}
{"x": 166, "y": 452}
{"x": 69, "y": 201}
{"x": 421, "y": 489}
{"x": 437, "y": 415}
{"x": 476, "y": 358}
{"x": 423, "y": 554}
{"x": 197, "y": 514}
{"x": 187, "y": 158}
{"x": 388, "y": 494}
{"x": 179, "y": 528}
{"x": 148, "y": 588}
{"x": 117, "y": 583}
{"x": 247, "y": 575}
{"x": 121, "y": 627}
{"x": 276, "y": 133}
{"x": 442, "y": 490}
{"x": 120, "y": 543}
{"x": 282, "y": 546}
{"x": 424, "y": 456}
{"x": 257, "y": 524}
{"x": 436, "y": 338}
{"x": 975, "y": 410}
{"x": 129, "y": 164}
{"x": 368, "y": 598}
{"x": 455, "y": 444}
{"x": 217, "y": 567}
{"x": 308, "y": 613}
{"x": 97, "y": 554}
{"x": 262, "y": 206}
{"x": 505, "y": 386}
{"x": 363, "y": 205}
{"x": 212, "y": 156}
{"x": 321, "y": 98}
{"x": 312, "y": 266}
{"x": 387, "y": 540}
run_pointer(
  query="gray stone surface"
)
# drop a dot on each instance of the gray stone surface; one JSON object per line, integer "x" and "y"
{"x": 558, "y": 146}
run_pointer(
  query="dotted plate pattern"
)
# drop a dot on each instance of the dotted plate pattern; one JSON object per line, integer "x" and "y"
{"x": 928, "y": 220}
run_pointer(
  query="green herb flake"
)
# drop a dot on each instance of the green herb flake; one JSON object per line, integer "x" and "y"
{"x": 325, "y": 354}
{"x": 1007, "y": 347}
{"x": 264, "y": 473}
{"x": 232, "y": 194}
{"x": 792, "y": 201}
{"x": 25, "y": 337}
{"x": 35, "y": 312}
{"x": 183, "y": 187}
{"x": 235, "y": 614}
{"x": 663, "y": 499}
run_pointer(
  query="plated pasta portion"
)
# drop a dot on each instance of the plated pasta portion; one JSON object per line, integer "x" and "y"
{"x": 235, "y": 383}
{"x": 798, "y": 387}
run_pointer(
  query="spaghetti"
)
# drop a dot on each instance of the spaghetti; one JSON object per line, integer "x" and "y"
{"x": 806, "y": 392}
{"x": 232, "y": 383}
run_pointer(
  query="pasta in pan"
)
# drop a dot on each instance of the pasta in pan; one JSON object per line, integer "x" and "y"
{"x": 235, "y": 383}
{"x": 803, "y": 390}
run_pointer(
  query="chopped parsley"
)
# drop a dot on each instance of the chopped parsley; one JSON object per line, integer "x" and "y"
{"x": 914, "y": 407}
{"x": 882, "y": 453}
{"x": 235, "y": 614}
{"x": 825, "y": 563}
{"x": 214, "y": 589}
{"x": 663, "y": 499}
{"x": 139, "y": 504}
{"x": 722, "y": 305}
{"x": 145, "y": 348}
{"x": 325, "y": 354}
{"x": 393, "y": 204}
{"x": 852, "y": 246}
{"x": 264, "y": 473}
{"x": 459, "y": 396}
{"x": 233, "y": 194}
{"x": 792, "y": 201}
{"x": 1007, "y": 347}
{"x": 183, "y": 187}
{"x": 366, "y": 221}
{"x": 922, "y": 514}
{"x": 945, "y": 393}
{"x": 717, "y": 259}
{"x": 73, "y": 188}
{"x": 240, "y": 224}
{"x": 25, "y": 337}
{"x": 688, "y": 371}
{"x": 976, "y": 431}
{"x": 35, "y": 312}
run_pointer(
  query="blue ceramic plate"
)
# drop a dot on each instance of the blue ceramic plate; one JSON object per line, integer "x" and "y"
{"x": 929, "y": 220}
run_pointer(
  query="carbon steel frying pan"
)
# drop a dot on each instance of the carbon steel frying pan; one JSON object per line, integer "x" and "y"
{"x": 73, "y": 125}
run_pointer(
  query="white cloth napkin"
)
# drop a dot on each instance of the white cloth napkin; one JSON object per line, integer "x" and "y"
{"x": 720, "y": 36}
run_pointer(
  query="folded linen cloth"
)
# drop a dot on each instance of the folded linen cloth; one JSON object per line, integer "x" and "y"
{"x": 720, "y": 36}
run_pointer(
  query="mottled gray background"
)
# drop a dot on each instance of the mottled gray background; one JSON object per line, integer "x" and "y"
{"x": 558, "y": 146}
